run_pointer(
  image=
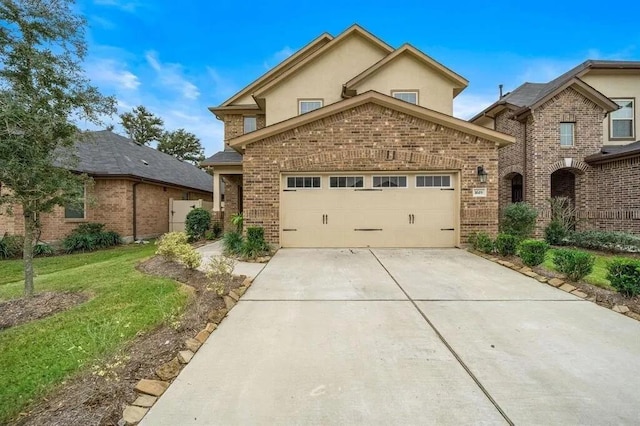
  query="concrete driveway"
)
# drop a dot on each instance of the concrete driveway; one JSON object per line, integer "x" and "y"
{"x": 394, "y": 336}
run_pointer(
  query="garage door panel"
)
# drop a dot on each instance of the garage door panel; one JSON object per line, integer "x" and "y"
{"x": 366, "y": 217}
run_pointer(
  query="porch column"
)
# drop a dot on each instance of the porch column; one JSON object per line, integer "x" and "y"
{"x": 217, "y": 192}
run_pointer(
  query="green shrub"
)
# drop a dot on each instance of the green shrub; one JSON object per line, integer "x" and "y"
{"x": 197, "y": 223}
{"x": 237, "y": 220}
{"x": 532, "y": 251}
{"x": 575, "y": 264}
{"x": 624, "y": 275}
{"x": 216, "y": 229}
{"x": 175, "y": 246}
{"x": 42, "y": 249}
{"x": 11, "y": 246}
{"x": 554, "y": 233}
{"x": 232, "y": 242}
{"x": 506, "y": 244}
{"x": 483, "y": 242}
{"x": 90, "y": 237}
{"x": 604, "y": 240}
{"x": 519, "y": 219}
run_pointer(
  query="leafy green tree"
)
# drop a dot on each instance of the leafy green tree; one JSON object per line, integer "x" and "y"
{"x": 42, "y": 88}
{"x": 142, "y": 126}
{"x": 183, "y": 145}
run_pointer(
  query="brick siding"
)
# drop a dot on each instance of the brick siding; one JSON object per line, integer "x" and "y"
{"x": 110, "y": 201}
{"x": 369, "y": 138}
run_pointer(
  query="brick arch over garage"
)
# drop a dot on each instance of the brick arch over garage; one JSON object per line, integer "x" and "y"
{"x": 412, "y": 159}
{"x": 570, "y": 163}
{"x": 510, "y": 170}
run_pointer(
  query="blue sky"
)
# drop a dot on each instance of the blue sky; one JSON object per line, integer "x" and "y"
{"x": 179, "y": 57}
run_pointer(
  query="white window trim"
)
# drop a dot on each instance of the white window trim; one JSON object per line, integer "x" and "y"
{"x": 415, "y": 181}
{"x": 364, "y": 182}
{"x": 573, "y": 134}
{"x": 300, "y": 102}
{"x": 286, "y": 182}
{"x": 390, "y": 187}
{"x": 413, "y": 92}
{"x": 84, "y": 208}
{"x": 633, "y": 120}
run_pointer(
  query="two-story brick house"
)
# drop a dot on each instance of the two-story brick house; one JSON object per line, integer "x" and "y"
{"x": 352, "y": 143}
{"x": 574, "y": 138}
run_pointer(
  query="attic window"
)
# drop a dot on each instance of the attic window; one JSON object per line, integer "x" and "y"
{"x": 406, "y": 95}
{"x": 145, "y": 162}
{"x": 308, "y": 105}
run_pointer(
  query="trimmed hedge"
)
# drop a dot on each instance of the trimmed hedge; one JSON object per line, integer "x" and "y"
{"x": 605, "y": 241}
{"x": 90, "y": 237}
{"x": 197, "y": 223}
{"x": 575, "y": 264}
{"x": 532, "y": 252}
{"x": 506, "y": 244}
{"x": 624, "y": 275}
{"x": 518, "y": 219}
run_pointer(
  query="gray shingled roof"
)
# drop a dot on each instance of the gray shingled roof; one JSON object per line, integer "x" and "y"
{"x": 611, "y": 152}
{"x": 229, "y": 155}
{"x": 528, "y": 94}
{"x": 104, "y": 153}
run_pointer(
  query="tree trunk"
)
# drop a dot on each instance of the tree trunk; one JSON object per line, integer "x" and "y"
{"x": 27, "y": 256}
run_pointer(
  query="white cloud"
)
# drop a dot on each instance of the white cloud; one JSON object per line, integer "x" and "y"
{"x": 278, "y": 57}
{"x": 125, "y": 5}
{"x": 467, "y": 105}
{"x": 171, "y": 76}
{"x": 112, "y": 74}
{"x": 222, "y": 87}
{"x": 102, "y": 22}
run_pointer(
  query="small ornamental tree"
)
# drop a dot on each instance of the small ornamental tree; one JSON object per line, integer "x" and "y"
{"x": 42, "y": 89}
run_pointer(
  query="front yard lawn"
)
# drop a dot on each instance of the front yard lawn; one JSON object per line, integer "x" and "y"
{"x": 38, "y": 355}
{"x": 597, "y": 277}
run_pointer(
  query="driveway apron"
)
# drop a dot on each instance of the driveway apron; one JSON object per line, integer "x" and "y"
{"x": 395, "y": 336}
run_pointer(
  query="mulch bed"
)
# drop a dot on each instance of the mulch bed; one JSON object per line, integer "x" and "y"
{"x": 20, "y": 311}
{"x": 98, "y": 395}
{"x": 603, "y": 297}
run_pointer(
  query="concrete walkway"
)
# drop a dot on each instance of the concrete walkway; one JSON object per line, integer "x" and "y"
{"x": 390, "y": 337}
{"x": 242, "y": 268}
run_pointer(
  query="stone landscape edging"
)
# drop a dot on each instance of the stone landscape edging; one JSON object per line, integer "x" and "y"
{"x": 557, "y": 283}
{"x": 150, "y": 390}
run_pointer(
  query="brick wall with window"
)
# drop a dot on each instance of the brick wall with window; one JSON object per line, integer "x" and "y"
{"x": 369, "y": 138}
{"x": 109, "y": 201}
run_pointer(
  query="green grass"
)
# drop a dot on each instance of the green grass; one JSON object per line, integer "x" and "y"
{"x": 37, "y": 356}
{"x": 597, "y": 277}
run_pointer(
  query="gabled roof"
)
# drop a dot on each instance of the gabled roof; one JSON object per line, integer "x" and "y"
{"x": 374, "y": 97}
{"x": 614, "y": 152}
{"x": 281, "y": 67}
{"x": 354, "y": 29}
{"x": 404, "y": 50}
{"x": 106, "y": 154}
{"x": 531, "y": 95}
{"x": 228, "y": 157}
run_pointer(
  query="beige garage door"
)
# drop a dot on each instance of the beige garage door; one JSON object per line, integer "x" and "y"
{"x": 369, "y": 210}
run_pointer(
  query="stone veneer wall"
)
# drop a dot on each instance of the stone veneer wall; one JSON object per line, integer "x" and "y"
{"x": 369, "y": 138}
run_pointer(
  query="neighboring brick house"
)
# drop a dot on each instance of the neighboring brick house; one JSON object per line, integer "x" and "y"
{"x": 132, "y": 187}
{"x": 560, "y": 127}
{"x": 352, "y": 143}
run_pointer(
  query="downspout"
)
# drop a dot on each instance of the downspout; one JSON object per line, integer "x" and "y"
{"x": 135, "y": 212}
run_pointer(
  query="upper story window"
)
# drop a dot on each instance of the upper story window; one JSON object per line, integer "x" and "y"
{"x": 407, "y": 96}
{"x": 567, "y": 134}
{"x": 308, "y": 105}
{"x": 250, "y": 124}
{"x": 77, "y": 210}
{"x": 622, "y": 121}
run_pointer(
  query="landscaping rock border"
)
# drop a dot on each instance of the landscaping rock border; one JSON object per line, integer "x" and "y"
{"x": 150, "y": 390}
{"x": 558, "y": 283}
